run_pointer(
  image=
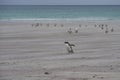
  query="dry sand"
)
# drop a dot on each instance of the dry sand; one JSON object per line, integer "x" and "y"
{"x": 31, "y": 51}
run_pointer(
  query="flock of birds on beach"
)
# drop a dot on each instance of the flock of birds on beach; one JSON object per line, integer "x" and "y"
{"x": 76, "y": 30}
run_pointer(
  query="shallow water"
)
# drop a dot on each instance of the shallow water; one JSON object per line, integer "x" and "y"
{"x": 85, "y": 12}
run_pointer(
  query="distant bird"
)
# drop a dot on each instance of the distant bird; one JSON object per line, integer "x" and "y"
{"x": 41, "y": 24}
{"x": 62, "y": 25}
{"x": 102, "y": 25}
{"x": 55, "y": 25}
{"x": 76, "y": 30}
{"x": 102, "y": 28}
{"x": 112, "y": 30}
{"x": 79, "y": 25}
{"x": 32, "y": 25}
{"x": 95, "y": 25}
{"x": 70, "y": 31}
{"x": 37, "y": 24}
{"x": 106, "y": 30}
{"x": 48, "y": 25}
{"x": 69, "y": 47}
{"x": 106, "y": 25}
{"x": 86, "y": 25}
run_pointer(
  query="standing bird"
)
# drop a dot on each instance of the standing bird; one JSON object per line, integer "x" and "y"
{"x": 69, "y": 47}
{"x": 41, "y": 24}
{"x": 55, "y": 25}
{"x": 106, "y": 30}
{"x": 62, "y": 25}
{"x": 79, "y": 25}
{"x": 48, "y": 25}
{"x": 37, "y": 24}
{"x": 76, "y": 30}
{"x": 70, "y": 31}
{"x": 112, "y": 30}
{"x": 95, "y": 25}
{"x": 102, "y": 28}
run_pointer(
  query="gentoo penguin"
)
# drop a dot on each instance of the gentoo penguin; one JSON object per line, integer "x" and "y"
{"x": 112, "y": 30}
{"x": 70, "y": 31}
{"x": 106, "y": 30}
{"x": 69, "y": 47}
{"x": 76, "y": 30}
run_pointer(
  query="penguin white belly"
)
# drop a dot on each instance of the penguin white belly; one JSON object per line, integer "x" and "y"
{"x": 68, "y": 48}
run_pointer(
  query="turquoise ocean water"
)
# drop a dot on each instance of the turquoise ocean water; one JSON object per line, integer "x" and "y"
{"x": 39, "y": 12}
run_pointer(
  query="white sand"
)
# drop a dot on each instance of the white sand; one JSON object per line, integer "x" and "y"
{"x": 27, "y": 52}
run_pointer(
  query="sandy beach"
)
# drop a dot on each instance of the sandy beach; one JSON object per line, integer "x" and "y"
{"x": 35, "y": 50}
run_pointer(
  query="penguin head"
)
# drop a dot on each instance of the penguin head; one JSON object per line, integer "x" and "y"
{"x": 66, "y": 42}
{"x": 69, "y": 43}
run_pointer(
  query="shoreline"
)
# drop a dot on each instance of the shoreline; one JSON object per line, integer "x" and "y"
{"x": 60, "y": 21}
{"x": 56, "y": 20}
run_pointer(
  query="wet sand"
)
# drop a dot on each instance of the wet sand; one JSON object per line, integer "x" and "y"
{"x": 35, "y": 50}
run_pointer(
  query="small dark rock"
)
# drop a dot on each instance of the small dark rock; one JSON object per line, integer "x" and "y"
{"x": 47, "y": 73}
{"x": 101, "y": 77}
{"x": 94, "y": 76}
